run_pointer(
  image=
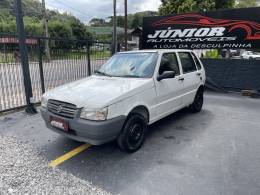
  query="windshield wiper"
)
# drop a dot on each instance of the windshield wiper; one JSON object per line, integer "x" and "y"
{"x": 103, "y": 73}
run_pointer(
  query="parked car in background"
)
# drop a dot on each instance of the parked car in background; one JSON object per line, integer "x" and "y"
{"x": 129, "y": 92}
{"x": 251, "y": 55}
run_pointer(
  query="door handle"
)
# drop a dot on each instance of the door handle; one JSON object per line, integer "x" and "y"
{"x": 198, "y": 74}
{"x": 181, "y": 79}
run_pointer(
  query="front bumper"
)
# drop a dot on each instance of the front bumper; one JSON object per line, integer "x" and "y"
{"x": 92, "y": 132}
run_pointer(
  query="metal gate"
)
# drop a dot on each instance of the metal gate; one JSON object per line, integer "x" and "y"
{"x": 70, "y": 60}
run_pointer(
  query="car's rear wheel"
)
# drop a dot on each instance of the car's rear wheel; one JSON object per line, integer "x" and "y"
{"x": 133, "y": 133}
{"x": 197, "y": 104}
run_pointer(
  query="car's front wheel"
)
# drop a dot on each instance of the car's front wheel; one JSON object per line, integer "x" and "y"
{"x": 132, "y": 136}
{"x": 197, "y": 104}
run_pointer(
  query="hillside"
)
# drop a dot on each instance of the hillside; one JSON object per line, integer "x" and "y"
{"x": 60, "y": 25}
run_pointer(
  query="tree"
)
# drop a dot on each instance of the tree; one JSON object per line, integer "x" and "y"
{"x": 120, "y": 21}
{"x": 59, "y": 29}
{"x": 4, "y": 3}
{"x": 224, "y": 4}
{"x": 32, "y": 26}
{"x": 176, "y": 6}
{"x": 135, "y": 23}
{"x": 136, "y": 19}
{"x": 61, "y": 24}
{"x": 246, "y": 3}
{"x": 32, "y": 8}
{"x": 97, "y": 22}
{"x": 77, "y": 27}
{"x": 8, "y": 27}
{"x": 133, "y": 20}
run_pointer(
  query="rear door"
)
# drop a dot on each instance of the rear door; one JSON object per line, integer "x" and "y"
{"x": 191, "y": 76}
{"x": 169, "y": 91}
{"x": 200, "y": 69}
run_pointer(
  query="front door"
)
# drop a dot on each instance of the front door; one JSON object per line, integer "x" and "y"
{"x": 169, "y": 91}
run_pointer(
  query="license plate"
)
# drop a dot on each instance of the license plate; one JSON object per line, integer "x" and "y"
{"x": 59, "y": 123}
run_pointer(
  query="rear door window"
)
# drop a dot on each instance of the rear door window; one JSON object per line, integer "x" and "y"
{"x": 197, "y": 62}
{"x": 187, "y": 62}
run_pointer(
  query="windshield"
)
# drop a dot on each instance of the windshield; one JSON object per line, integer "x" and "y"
{"x": 130, "y": 65}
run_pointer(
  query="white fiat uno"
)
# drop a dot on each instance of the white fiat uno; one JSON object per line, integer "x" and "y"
{"x": 129, "y": 92}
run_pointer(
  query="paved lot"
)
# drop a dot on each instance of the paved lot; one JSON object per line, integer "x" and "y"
{"x": 216, "y": 151}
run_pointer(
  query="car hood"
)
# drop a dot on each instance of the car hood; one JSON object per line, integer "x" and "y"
{"x": 99, "y": 91}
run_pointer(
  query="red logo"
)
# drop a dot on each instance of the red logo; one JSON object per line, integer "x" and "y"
{"x": 252, "y": 29}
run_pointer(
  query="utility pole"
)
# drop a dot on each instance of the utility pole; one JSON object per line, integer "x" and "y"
{"x": 126, "y": 34}
{"x": 114, "y": 28}
{"x": 24, "y": 58}
{"x": 46, "y": 31}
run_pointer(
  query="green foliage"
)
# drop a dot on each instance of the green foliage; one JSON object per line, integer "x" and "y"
{"x": 59, "y": 29}
{"x": 8, "y": 27}
{"x": 98, "y": 22}
{"x": 60, "y": 25}
{"x": 4, "y": 3}
{"x": 78, "y": 29}
{"x": 32, "y": 8}
{"x": 32, "y": 26}
{"x": 133, "y": 20}
{"x": 120, "y": 21}
{"x": 177, "y": 6}
{"x": 212, "y": 54}
{"x": 246, "y": 3}
{"x": 5, "y": 15}
{"x": 224, "y": 4}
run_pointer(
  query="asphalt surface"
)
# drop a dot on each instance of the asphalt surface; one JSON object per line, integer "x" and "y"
{"x": 216, "y": 151}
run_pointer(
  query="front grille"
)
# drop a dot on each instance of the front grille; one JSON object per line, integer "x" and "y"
{"x": 63, "y": 109}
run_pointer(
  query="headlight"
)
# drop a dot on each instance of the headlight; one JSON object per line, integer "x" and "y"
{"x": 44, "y": 102}
{"x": 94, "y": 114}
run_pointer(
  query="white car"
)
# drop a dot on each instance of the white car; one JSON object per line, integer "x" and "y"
{"x": 250, "y": 55}
{"x": 129, "y": 92}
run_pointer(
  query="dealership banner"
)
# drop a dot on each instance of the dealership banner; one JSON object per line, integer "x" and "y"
{"x": 234, "y": 28}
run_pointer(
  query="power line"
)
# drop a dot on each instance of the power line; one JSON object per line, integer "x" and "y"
{"x": 54, "y": 9}
{"x": 66, "y": 5}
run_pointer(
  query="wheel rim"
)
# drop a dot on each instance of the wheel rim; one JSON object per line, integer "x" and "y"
{"x": 135, "y": 135}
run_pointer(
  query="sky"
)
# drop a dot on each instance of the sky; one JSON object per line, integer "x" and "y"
{"x": 87, "y": 9}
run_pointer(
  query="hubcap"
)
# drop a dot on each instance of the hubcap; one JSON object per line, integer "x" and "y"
{"x": 199, "y": 100}
{"x": 135, "y": 134}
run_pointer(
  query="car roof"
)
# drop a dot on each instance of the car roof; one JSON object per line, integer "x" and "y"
{"x": 157, "y": 50}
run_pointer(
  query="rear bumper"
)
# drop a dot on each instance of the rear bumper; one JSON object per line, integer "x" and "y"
{"x": 92, "y": 132}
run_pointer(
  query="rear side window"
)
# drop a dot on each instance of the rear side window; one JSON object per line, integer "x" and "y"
{"x": 169, "y": 63}
{"x": 197, "y": 62}
{"x": 187, "y": 62}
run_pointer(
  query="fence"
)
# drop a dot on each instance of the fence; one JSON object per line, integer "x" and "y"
{"x": 233, "y": 74}
{"x": 70, "y": 60}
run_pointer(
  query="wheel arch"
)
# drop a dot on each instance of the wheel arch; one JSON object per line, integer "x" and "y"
{"x": 141, "y": 109}
{"x": 201, "y": 87}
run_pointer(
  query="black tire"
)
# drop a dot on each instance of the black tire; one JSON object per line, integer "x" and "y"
{"x": 197, "y": 104}
{"x": 132, "y": 136}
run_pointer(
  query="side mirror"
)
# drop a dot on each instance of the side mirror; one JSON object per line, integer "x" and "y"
{"x": 166, "y": 75}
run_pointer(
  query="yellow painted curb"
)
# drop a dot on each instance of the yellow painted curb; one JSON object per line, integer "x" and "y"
{"x": 68, "y": 155}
